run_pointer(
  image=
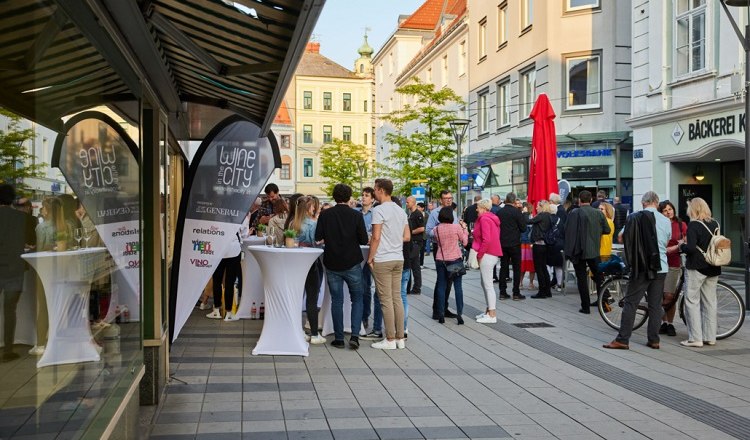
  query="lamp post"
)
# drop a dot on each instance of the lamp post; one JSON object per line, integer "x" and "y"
{"x": 458, "y": 126}
{"x": 745, "y": 43}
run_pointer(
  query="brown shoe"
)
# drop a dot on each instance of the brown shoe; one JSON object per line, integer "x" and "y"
{"x": 654, "y": 345}
{"x": 614, "y": 345}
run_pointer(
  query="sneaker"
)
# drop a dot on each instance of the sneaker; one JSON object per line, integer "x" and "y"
{"x": 317, "y": 340}
{"x": 691, "y": 343}
{"x": 204, "y": 306}
{"x": 481, "y": 315}
{"x": 373, "y": 335}
{"x": 504, "y": 296}
{"x": 672, "y": 332}
{"x": 354, "y": 343}
{"x": 487, "y": 320}
{"x": 385, "y": 344}
{"x": 449, "y": 314}
{"x": 663, "y": 328}
{"x": 216, "y": 314}
{"x": 401, "y": 343}
{"x": 558, "y": 289}
{"x": 337, "y": 343}
{"x": 37, "y": 350}
{"x": 231, "y": 317}
{"x": 518, "y": 297}
{"x": 709, "y": 342}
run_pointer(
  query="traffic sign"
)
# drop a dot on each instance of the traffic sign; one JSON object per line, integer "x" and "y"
{"x": 419, "y": 193}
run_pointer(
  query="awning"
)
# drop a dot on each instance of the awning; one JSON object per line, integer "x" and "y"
{"x": 58, "y": 57}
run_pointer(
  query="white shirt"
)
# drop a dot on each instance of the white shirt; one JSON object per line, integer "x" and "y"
{"x": 393, "y": 219}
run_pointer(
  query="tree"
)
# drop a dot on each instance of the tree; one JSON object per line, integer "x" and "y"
{"x": 16, "y": 163}
{"x": 344, "y": 162}
{"x": 425, "y": 145}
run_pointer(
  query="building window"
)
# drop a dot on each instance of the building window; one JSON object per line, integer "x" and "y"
{"x": 307, "y": 100}
{"x": 286, "y": 141}
{"x": 365, "y": 106}
{"x": 527, "y": 13}
{"x": 346, "y": 133}
{"x": 327, "y": 100}
{"x": 444, "y": 79}
{"x": 527, "y": 92}
{"x": 286, "y": 172}
{"x": 483, "y": 112}
{"x": 482, "y": 46}
{"x": 347, "y": 102}
{"x": 462, "y": 58}
{"x": 502, "y": 24}
{"x": 379, "y": 73}
{"x": 690, "y": 36}
{"x": 373, "y": 135}
{"x": 327, "y": 134}
{"x": 575, "y": 5}
{"x": 365, "y": 142}
{"x": 583, "y": 82}
{"x": 503, "y": 104}
{"x": 391, "y": 63}
{"x": 307, "y": 134}
{"x": 307, "y": 167}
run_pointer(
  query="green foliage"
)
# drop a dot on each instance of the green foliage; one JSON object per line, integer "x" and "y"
{"x": 290, "y": 233}
{"x": 342, "y": 162}
{"x": 15, "y": 159}
{"x": 261, "y": 227}
{"x": 425, "y": 148}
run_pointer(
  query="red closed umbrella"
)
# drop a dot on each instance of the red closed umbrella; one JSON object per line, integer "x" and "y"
{"x": 543, "y": 164}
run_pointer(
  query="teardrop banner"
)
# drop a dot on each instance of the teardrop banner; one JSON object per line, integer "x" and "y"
{"x": 100, "y": 163}
{"x": 227, "y": 173}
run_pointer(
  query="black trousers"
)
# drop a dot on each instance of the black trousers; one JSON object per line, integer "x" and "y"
{"x": 312, "y": 290}
{"x": 511, "y": 255}
{"x": 416, "y": 270}
{"x": 435, "y": 308}
{"x": 582, "y": 279}
{"x": 637, "y": 287}
{"x": 227, "y": 272}
{"x": 539, "y": 252}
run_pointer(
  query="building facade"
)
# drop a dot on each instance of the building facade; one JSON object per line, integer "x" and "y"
{"x": 578, "y": 52}
{"x": 283, "y": 129}
{"x": 330, "y": 102}
{"x": 688, "y": 115}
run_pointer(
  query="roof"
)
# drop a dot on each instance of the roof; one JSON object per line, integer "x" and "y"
{"x": 428, "y": 15}
{"x": 58, "y": 57}
{"x": 282, "y": 117}
{"x": 315, "y": 64}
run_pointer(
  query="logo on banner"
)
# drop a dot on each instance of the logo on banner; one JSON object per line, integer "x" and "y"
{"x": 213, "y": 230}
{"x": 216, "y": 210}
{"x": 98, "y": 169}
{"x": 198, "y": 262}
{"x": 131, "y": 248}
{"x": 122, "y": 231}
{"x": 203, "y": 247}
{"x": 236, "y": 168}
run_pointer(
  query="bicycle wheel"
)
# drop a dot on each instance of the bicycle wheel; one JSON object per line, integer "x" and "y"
{"x": 730, "y": 310}
{"x": 612, "y": 301}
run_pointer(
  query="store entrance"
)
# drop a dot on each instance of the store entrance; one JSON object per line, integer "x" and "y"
{"x": 733, "y": 208}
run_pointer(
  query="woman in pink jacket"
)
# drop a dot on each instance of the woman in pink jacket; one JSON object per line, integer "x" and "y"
{"x": 487, "y": 244}
{"x": 448, "y": 236}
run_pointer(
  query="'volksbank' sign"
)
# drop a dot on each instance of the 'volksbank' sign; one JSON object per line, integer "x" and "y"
{"x": 584, "y": 153}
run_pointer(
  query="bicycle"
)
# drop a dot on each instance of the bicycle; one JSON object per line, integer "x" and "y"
{"x": 730, "y": 308}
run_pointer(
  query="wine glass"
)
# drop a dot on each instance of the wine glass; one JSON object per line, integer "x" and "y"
{"x": 271, "y": 231}
{"x": 78, "y": 235}
{"x": 87, "y": 234}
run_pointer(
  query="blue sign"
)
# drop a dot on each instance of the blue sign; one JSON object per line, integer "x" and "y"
{"x": 419, "y": 193}
{"x": 55, "y": 187}
{"x": 563, "y": 187}
{"x": 584, "y": 153}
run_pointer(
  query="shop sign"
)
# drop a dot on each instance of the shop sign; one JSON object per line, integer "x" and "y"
{"x": 584, "y": 153}
{"x": 715, "y": 127}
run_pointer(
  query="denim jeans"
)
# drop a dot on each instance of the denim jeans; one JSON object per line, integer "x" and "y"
{"x": 366, "y": 291}
{"x": 442, "y": 283}
{"x": 405, "y": 277}
{"x": 353, "y": 279}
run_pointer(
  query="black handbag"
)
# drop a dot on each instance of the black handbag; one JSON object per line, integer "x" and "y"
{"x": 455, "y": 269}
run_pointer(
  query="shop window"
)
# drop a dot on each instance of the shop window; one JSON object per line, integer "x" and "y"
{"x": 327, "y": 100}
{"x": 690, "y": 36}
{"x": 527, "y": 92}
{"x": 307, "y": 167}
{"x": 347, "y": 102}
{"x": 307, "y": 100}
{"x": 483, "y": 112}
{"x": 307, "y": 134}
{"x": 482, "y": 43}
{"x": 576, "y": 5}
{"x": 583, "y": 82}
{"x": 503, "y": 104}
{"x": 286, "y": 141}
{"x": 347, "y": 133}
{"x": 327, "y": 134}
{"x": 502, "y": 24}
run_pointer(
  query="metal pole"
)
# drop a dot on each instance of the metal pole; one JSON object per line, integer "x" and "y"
{"x": 747, "y": 163}
{"x": 458, "y": 177}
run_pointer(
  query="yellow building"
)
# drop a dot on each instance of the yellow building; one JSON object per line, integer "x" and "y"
{"x": 328, "y": 101}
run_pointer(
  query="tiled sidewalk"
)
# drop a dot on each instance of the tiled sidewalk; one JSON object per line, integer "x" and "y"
{"x": 471, "y": 381}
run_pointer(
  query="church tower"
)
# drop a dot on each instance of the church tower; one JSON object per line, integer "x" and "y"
{"x": 363, "y": 66}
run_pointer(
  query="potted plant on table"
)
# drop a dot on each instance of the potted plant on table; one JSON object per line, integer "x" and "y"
{"x": 61, "y": 241}
{"x": 260, "y": 230}
{"x": 289, "y": 236}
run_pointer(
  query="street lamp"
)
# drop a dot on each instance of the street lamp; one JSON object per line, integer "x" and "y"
{"x": 458, "y": 126}
{"x": 745, "y": 42}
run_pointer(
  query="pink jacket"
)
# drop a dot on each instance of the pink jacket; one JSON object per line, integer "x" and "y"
{"x": 448, "y": 235}
{"x": 487, "y": 235}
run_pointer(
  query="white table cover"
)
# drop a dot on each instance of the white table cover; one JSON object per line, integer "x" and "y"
{"x": 326, "y": 308}
{"x": 252, "y": 282}
{"x": 66, "y": 277}
{"x": 284, "y": 271}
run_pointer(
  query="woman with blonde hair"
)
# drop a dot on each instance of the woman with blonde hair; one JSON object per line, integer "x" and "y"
{"x": 486, "y": 242}
{"x": 305, "y": 223}
{"x": 540, "y": 224}
{"x": 700, "y": 295}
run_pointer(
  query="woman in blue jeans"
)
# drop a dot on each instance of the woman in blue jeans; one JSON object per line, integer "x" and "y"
{"x": 451, "y": 238}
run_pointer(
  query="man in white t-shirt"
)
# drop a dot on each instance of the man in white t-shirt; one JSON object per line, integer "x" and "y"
{"x": 390, "y": 229}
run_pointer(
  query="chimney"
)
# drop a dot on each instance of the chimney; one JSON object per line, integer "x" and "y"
{"x": 313, "y": 47}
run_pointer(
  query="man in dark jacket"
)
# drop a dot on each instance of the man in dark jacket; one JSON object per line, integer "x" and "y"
{"x": 583, "y": 231}
{"x": 512, "y": 224}
{"x": 621, "y": 215}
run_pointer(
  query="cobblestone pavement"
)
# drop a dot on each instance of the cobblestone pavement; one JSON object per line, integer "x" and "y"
{"x": 471, "y": 381}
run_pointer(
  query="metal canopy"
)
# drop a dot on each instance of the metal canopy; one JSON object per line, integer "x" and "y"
{"x": 200, "y": 59}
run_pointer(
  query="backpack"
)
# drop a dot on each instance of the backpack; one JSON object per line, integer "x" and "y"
{"x": 552, "y": 235}
{"x": 718, "y": 252}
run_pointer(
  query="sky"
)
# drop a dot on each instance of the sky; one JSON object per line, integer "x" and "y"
{"x": 342, "y": 23}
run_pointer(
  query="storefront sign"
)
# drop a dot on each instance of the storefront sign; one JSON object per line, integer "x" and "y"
{"x": 584, "y": 153}
{"x": 99, "y": 162}
{"x": 721, "y": 126}
{"x": 228, "y": 171}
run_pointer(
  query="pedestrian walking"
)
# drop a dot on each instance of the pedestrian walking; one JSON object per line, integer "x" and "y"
{"x": 487, "y": 244}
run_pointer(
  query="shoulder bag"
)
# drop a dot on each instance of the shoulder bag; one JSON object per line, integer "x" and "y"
{"x": 456, "y": 269}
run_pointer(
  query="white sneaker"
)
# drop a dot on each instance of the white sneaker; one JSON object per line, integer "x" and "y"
{"x": 317, "y": 340}
{"x": 481, "y": 315}
{"x": 487, "y": 319}
{"x": 37, "y": 350}
{"x": 216, "y": 314}
{"x": 400, "y": 344}
{"x": 204, "y": 306}
{"x": 385, "y": 344}
{"x": 691, "y": 343}
{"x": 709, "y": 342}
{"x": 231, "y": 317}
